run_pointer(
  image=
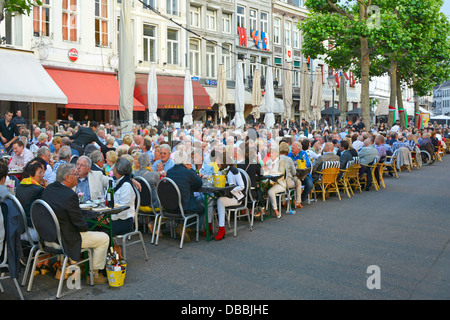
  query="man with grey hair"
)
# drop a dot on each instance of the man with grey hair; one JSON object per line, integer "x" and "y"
{"x": 165, "y": 163}
{"x": 64, "y": 156}
{"x": 98, "y": 160}
{"x": 44, "y": 153}
{"x": 92, "y": 184}
{"x": 75, "y": 232}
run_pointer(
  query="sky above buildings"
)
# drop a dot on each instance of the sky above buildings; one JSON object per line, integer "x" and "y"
{"x": 446, "y": 8}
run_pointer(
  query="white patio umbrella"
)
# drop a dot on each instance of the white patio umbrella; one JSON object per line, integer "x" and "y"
{"x": 269, "y": 100}
{"x": 287, "y": 91}
{"x": 239, "y": 101}
{"x": 221, "y": 95}
{"x": 316, "y": 100}
{"x": 126, "y": 70}
{"x": 256, "y": 94}
{"x": 152, "y": 96}
{"x": 305, "y": 94}
{"x": 188, "y": 100}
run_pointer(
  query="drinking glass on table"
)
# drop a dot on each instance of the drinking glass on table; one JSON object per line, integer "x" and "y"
{"x": 101, "y": 201}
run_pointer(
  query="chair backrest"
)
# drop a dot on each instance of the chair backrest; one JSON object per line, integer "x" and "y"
{"x": 374, "y": 161}
{"x": 330, "y": 164}
{"x": 137, "y": 204}
{"x": 349, "y": 164}
{"x": 74, "y": 159}
{"x": 357, "y": 159}
{"x": 146, "y": 193}
{"x": 45, "y": 223}
{"x": 353, "y": 171}
{"x": 19, "y": 207}
{"x": 169, "y": 196}
{"x": 330, "y": 171}
{"x": 246, "y": 180}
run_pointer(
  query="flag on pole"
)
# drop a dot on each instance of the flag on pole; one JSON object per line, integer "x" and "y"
{"x": 255, "y": 37}
{"x": 242, "y": 36}
{"x": 265, "y": 43}
{"x": 420, "y": 122}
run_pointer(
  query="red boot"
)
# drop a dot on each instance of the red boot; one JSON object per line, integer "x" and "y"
{"x": 210, "y": 229}
{"x": 220, "y": 234}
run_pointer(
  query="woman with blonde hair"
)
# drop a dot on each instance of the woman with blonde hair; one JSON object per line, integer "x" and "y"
{"x": 111, "y": 158}
{"x": 57, "y": 145}
{"x": 284, "y": 166}
{"x": 353, "y": 152}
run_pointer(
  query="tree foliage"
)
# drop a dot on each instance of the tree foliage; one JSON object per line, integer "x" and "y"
{"x": 17, "y": 6}
{"x": 407, "y": 39}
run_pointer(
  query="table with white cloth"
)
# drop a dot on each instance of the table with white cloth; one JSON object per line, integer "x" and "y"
{"x": 101, "y": 217}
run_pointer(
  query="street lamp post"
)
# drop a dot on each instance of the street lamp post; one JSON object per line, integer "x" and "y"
{"x": 332, "y": 84}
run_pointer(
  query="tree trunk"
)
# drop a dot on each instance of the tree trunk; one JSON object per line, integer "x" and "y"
{"x": 393, "y": 75}
{"x": 416, "y": 105}
{"x": 365, "y": 66}
{"x": 401, "y": 115}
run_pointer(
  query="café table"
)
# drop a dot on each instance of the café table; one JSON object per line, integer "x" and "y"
{"x": 272, "y": 177}
{"x": 211, "y": 192}
{"x": 101, "y": 217}
{"x": 302, "y": 173}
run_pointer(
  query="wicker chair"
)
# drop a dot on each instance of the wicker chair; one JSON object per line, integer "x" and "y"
{"x": 350, "y": 178}
{"x": 390, "y": 162}
{"x": 328, "y": 179}
{"x": 373, "y": 169}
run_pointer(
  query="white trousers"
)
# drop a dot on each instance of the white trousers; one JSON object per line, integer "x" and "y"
{"x": 277, "y": 188}
{"x": 222, "y": 203}
{"x": 99, "y": 242}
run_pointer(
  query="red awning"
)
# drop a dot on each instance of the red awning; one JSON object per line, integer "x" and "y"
{"x": 171, "y": 92}
{"x": 89, "y": 90}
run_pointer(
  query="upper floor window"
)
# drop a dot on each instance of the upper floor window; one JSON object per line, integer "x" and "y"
{"x": 194, "y": 16}
{"x": 287, "y": 33}
{"x": 101, "y": 23}
{"x": 172, "y": 7}
{"x": 226, "y": 22}
{"x": 240, "y": 16}
{"x": 172, "y": 46}
{"x": 253, "y": 19}
{"x": 295, "y": 37}
{"x": 276, "y": 30}
{"x": 41, "y": 19}
{"x": 264, "y": 22}
{"x": 194, "y": 57}
{"x": 70, "y": 20}
{"x": 211, "y": 20}
{"x": 149, "y": 43}
{"x": 148, "y": 3}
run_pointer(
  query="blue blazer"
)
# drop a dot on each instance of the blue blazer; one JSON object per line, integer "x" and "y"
{"x": 188, "y": 182}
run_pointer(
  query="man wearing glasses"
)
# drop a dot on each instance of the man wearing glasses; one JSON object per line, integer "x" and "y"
{"x": 75, "y": 232}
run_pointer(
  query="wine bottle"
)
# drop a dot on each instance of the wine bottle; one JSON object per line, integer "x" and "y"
{"x": 110, "y": 195}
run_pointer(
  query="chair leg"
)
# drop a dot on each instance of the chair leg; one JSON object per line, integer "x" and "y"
{"x": 158, "y": 226}
{"x": 27, "y": 269}
{"x": 337, "y": 190}
{"x": 16, "y": 283}
{"x": 61, "y": 279}
{"x": 36, "y": 256}
{"x": 155, "y": 224}
{"x": 143, "y": 245}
